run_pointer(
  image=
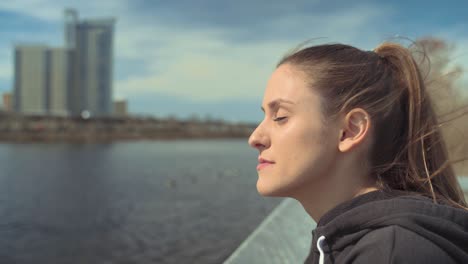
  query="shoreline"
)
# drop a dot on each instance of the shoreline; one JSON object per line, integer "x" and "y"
{"x": 19, "y": 129}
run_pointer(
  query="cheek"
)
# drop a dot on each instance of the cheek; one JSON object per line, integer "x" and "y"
{"x": 311, "y": 153}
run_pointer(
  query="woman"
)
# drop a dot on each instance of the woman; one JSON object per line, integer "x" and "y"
{"x": 352, "y": 136}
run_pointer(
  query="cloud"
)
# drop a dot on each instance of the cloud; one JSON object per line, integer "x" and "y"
{"x": 207, "y": 63}
{"x": 49, "y": 10}
{"x": 200, "y": 67}
{"x": 225, "y": 56}
{"x": 6, "y": 63}
{"x": 206, "y": 50}
{"x": 461, "y": 58}
{"x": 456, "y": 35}
{"x": 5, "y": 71}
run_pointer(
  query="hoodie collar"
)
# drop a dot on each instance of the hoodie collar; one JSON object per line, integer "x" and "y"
{"x": 355, "y": 202}
{"x": 349, "y": 221}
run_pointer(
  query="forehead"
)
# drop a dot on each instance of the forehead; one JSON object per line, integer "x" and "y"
{"x": 289, "y": 84}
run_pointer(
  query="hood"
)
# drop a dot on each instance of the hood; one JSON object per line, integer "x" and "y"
{"x": 444, "y": 225}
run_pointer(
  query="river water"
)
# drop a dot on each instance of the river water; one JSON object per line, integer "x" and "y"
{"x": 130, "y": 202}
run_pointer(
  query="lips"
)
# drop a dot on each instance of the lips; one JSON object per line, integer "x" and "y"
{"x": 263, "y": 163}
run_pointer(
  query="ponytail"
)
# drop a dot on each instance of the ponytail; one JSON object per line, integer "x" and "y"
{"x": 428, "y": 169}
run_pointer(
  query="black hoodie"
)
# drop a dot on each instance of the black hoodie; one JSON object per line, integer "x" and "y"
{"x": 391, "y": 227}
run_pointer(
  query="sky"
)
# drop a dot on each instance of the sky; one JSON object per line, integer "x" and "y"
{"x": 213, "y": 58}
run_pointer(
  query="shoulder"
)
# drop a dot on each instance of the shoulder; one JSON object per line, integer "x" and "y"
{"x": 395, "y": 244}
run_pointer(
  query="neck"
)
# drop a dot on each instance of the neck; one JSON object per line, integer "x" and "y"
{"x": 341, "y": 184}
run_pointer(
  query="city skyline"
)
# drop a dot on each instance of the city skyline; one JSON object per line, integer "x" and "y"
{"x": 73, "y": 80}
{"x": 215, "y": 58}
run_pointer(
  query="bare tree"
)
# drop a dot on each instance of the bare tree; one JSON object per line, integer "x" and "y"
{"x": 435, "y": 57}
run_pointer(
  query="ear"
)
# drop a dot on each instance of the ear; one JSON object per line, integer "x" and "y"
{"x": 356, "y": 127}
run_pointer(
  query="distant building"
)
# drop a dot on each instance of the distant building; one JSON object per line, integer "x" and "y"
{"x": 7, "y": 104}
{"x": 74, "y": 80}
{"x": 30, "y": 83}
{"x": 92, "y": 42}
{"x": 120, "y": 108}
{"x": 40, "y": 84}
{"x": 59, "y": 81}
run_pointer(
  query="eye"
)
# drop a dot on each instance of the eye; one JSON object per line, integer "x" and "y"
{"x": 278, "y": 119}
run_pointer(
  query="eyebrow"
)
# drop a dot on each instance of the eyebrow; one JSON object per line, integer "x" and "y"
{"x": 275, "y": 103}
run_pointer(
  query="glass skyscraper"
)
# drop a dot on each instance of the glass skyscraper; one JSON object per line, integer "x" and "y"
{"x": 91, "y": 42}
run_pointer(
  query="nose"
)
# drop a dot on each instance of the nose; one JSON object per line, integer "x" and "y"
{"x": 259, "y": 138}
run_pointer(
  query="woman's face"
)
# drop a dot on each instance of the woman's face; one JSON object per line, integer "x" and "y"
{"x": 296, "y": 149}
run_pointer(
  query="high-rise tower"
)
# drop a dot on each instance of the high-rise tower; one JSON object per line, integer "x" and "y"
{"x": 92, "y": 45}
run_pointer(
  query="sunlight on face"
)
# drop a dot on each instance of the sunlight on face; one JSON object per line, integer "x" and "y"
{"x": 295, "y": 147}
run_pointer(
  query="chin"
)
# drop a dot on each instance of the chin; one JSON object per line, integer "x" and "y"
{"x": 271, "y": 190}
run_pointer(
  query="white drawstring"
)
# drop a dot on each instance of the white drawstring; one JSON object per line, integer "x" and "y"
{"x": 320, "y": 241}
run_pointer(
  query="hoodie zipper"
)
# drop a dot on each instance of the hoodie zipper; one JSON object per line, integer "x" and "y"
{"x": 320, "y": 242}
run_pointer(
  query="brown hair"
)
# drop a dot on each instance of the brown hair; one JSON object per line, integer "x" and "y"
{"x": 387, "y": 83}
